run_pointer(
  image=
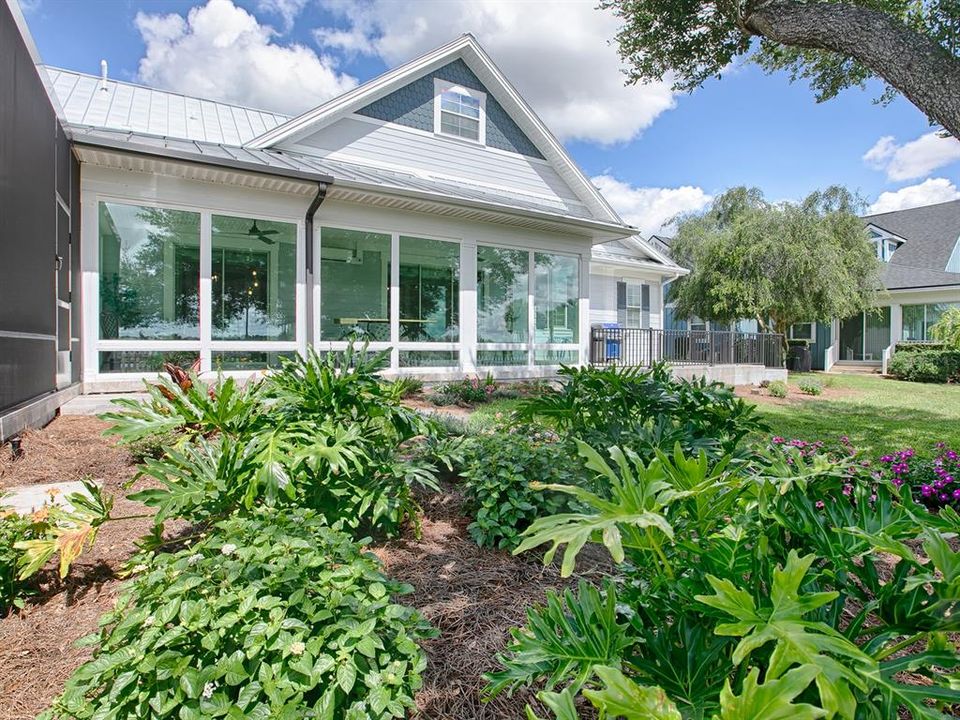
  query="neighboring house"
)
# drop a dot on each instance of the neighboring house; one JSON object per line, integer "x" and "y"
{"x": 921, "y": 278}
{"x": 920, "y": 249}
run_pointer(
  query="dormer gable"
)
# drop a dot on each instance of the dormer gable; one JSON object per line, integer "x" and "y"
{"x": 518, "y": 154}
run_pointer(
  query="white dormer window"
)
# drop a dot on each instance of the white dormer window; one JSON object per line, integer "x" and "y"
{"x": 459, "y": 111}
{"x": 884, "y": 245}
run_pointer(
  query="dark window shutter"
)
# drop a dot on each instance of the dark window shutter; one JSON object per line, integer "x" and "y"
{"x": 645, "y": 297}
{"x": 622, "y": 304}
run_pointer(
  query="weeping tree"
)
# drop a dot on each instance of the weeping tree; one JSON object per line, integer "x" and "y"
{"x": 778, "y": 263}
{"x": 913, "y": 46}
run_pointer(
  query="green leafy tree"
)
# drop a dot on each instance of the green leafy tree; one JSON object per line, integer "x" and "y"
{"x": 947, "y": 328}
{"x": 911, "y": 45}
{"x": 778, "y": 263}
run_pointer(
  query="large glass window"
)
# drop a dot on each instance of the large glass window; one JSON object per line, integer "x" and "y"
{"x": 354, "y": 284}
{"x": 149, "y": 273}
{"x": 918, "y": 319}
{"x": 556, "y": 298}
{"x": 429, "y": 290}
{"x": 253, "y": 279}
{"x": 502, "y": 295}
{"x": 913, "y": 327}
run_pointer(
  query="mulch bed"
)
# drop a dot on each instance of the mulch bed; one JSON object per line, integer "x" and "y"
{"x": 473, "y": 595}
{"x": 794, "y": 395}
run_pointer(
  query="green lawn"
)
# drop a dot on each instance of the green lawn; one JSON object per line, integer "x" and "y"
{"x": 877, "y": 414}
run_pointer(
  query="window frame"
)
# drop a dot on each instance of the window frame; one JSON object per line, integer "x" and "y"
{"x": 205, "y": 346}
{"x": 812, "y": 337}
{"x": 439, "y": 88}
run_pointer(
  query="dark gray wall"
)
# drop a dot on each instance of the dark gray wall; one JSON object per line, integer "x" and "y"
{"x": 412, "y": 105}
{"x": 36, "y": 164}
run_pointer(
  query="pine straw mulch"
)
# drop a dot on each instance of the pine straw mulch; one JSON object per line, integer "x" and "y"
{"x": 474, "y": 596}
{"x": 36, "y": 645}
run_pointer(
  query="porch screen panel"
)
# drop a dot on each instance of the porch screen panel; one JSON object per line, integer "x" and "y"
{"x": 149, "y": 273}
{"x": 877, "y": 335}
{"x": 851, "y": 338}
{"x": 253, "y": 279}
{"x": 502, "y": 295}
{"x": 556, "y": 298}
{"x": 429, "y": 290}
{"x": 354, "y": 284}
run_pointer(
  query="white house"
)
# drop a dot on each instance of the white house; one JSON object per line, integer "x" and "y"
{"x": 429, "y": 210}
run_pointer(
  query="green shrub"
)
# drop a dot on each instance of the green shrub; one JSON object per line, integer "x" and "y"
{"x": 153, "y": 445}
{"x": 469, "y": 391}
{"x": 777, "y": 388}
{"x": 498, "y": 470}
{"x": 810, "y": 387}
{"x": 14, "y": 528}
{"x": 273, "y": 615}
{"x": 935, "y": 366}
{"x": 730, "y": 572}
{"x": 608, "y": 404}
{"x": 407, "y": 387}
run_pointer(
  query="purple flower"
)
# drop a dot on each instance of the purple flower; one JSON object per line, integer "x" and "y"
{"x": 777, "y": 440}
{"x": 926, "y": 490}
{"x": 819, "y": 504}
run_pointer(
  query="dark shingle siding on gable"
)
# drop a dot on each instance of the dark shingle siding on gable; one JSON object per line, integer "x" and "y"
{"x": 412, "y": 106}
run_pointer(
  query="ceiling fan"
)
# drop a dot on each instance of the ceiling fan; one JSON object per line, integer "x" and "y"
{"x": 262, "y": 235}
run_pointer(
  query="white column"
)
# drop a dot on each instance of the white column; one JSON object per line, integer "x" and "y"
{"x": 896, "y": 323}
{"x": 206, "y": 290}
{"x": 90, "y": 297}
{"x": 531, "y": 309}
{"x": 468, "y": 306}
{"x": 313, "y": 288}
{"x": 394, "y": 300}
{"x": 584, "y": 308}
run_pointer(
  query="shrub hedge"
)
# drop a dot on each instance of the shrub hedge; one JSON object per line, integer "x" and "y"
{"x": 922, "y": 364}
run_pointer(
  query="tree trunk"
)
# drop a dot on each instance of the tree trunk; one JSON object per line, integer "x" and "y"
{"x": 917, "y": 66}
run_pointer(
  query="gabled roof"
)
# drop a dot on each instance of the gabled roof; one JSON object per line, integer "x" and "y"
{"x": 634, "y": 252}
{"x": 930, "y": 234}
{"x": 87, "y": 100}
{"x": 467, "y": 49}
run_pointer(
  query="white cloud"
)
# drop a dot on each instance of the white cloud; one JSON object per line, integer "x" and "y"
{"x": 221, "y": 51}
{"x": 651, "y": 209}
{"x": 560, "y": 55}
{"x": 929, "y": 192}
{"x": 287, "y": 9}
{"x": 914, "y": 159}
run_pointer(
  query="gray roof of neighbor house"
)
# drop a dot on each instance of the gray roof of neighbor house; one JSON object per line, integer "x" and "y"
{"x": 930, "y": 235}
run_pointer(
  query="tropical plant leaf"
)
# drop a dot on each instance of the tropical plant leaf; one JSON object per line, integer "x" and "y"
{"x": 621, "y": 697}
{"x": 796, "y": 640}
{"x": 773, "y": 700}
{"x": 563, "y": 641}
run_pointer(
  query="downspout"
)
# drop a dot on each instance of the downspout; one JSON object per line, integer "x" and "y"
{"x": 308, "y": 254}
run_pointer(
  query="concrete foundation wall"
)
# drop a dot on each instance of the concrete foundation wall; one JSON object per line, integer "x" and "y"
{"x": 731, "y": 374}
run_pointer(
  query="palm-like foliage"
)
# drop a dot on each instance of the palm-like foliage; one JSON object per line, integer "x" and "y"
{"x": 193, "y": 407}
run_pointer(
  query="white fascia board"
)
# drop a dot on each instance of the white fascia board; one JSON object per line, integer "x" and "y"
{"x": 671, "y": 270}
{"x": 640, "y": 244}
{"x": 610, "y": 231}
{"x": 468, "y": 49}
{"x": 886, "y": 233}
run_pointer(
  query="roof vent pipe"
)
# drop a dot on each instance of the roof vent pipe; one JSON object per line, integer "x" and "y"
{"x": 103, "y": 74}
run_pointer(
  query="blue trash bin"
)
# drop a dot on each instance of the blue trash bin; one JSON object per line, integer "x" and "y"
{"x": 613, "y": 341}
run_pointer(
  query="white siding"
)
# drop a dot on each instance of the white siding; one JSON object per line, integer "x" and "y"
{"x": 394, "y": 146}
{"x": 603, "y": 299}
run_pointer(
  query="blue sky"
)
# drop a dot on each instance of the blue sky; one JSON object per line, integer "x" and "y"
{"x": 653, "y": 153}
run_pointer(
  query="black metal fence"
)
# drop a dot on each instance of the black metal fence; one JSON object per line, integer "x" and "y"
{"x": 642, "y": 347}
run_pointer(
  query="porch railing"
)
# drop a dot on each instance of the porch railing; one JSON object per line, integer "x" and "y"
{"x": 642, "y": 347}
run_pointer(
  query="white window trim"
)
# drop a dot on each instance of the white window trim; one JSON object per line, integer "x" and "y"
{"x": 813, "y": 332}
{"x": 440, "y": 87}
{"x": 206, "y": 344}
